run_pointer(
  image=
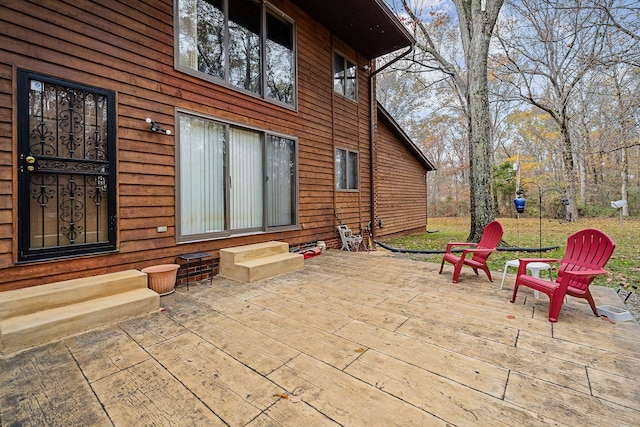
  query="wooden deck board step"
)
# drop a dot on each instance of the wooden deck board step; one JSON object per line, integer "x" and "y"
{"x": 33, "y": 316}
{"x": 258, "y": 261}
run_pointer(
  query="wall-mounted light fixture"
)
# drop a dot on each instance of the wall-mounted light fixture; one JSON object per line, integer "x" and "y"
{"x": 156, "y": 127}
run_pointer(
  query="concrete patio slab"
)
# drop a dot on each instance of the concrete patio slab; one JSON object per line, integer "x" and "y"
{"x": 354, "y": 339}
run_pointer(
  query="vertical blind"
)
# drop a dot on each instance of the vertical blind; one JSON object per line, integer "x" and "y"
{"x": 233, "y": 179}
{"x": 280, "y": 181}
{"x": 246, "y": 190}
{"x": 201, "y": 176}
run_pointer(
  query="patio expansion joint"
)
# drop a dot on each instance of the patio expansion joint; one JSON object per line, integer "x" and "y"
{"x": 586, "y": 372}
{"x": 517, "y": 337}
{"x": 89, "y": 383}
{"x": 381, "y": 387}
{"x": 231, "y": 355}
{"x": 401, "y": 324}
{"x": 364, "y": 350}
{"x": 183, "y": 384}
{"x": 506, "y": 384}
{"x": 213, "y": 344}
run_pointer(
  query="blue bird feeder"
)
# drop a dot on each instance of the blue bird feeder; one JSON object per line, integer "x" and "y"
{"x": 519, "y": 203}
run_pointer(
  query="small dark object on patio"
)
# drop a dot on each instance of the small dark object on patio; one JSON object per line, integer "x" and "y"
{"x": 282, "y": 395}
{"x": 626, "y": 287}
{"x": 605, "y": 317}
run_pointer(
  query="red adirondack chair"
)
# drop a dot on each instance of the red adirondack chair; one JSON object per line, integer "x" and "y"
{"x": 587, "y": 253}
{"x": 491, "y": 237}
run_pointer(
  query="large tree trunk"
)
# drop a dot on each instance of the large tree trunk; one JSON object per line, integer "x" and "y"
{"x": 482, "y": 207}
{"x": 625, "y": 181}
{"x": 476, "y": 25}
{"x": 477, "y": 20}
{"x": 569, "y": 172}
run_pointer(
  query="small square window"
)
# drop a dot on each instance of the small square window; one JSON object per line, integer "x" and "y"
{"x": 346, "y": 169}
{"x": 345, "y": 78}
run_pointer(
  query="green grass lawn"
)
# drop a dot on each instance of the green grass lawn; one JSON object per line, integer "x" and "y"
{"x": 623, "y": 267}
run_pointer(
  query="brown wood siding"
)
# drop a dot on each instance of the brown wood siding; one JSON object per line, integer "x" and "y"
{"x": 127, "y": 47}
{"x": 400, "y": 186}
{"x": 6, "y": 169}
{"x": 351, "y": 131}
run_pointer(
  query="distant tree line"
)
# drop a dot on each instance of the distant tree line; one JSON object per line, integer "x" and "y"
{"x": 564, "y": 101}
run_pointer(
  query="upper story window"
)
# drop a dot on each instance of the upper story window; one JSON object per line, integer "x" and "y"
{"x": 243, "y": 43}
{"x": 346, "y": 169}
{"x": 345, "y": 80}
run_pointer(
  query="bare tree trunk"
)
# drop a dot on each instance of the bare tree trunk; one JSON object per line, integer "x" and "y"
{"x": 584, "y": 165}
{"x": 625, "y": 181}
{"x": 477, "y": 20}
{"x": 482, "y": 207}
{"x": 582, "y": 175}
{"x": 624, "y": 172}
{"x": 569, "y": 173}
{"x": 476, "y": 26}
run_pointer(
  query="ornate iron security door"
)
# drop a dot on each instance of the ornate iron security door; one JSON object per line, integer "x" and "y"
{"x": 66, "y": 168}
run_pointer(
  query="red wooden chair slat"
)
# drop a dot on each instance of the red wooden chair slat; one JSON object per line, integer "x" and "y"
{"x": 491, "y": 237}
{"x": 585, "y": 257}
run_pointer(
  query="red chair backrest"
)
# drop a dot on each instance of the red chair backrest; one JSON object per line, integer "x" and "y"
{"x": 491, "y": 238}
{"x": 586, "y": 250}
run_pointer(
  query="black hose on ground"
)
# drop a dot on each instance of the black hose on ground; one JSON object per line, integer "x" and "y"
{"x": 441, "y": 251}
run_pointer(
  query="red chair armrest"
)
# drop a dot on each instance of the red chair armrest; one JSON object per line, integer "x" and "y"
{"x": 475, "y": 250}
{"x": 450, "y": 245}
{"x": 564, "y": 283}
{"x": 480, "y": 250}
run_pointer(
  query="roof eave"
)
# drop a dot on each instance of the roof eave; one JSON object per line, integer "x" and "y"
{"x": 404, "y": 138}
{"x": 369, "y": 26}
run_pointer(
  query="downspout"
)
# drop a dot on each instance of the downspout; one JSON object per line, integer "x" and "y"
{"x": 372, "y": 116}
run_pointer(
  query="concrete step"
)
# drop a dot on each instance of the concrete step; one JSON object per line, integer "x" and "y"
{"x": 247, "y": 252}
{"x": 24, "y": 301}
{"x": 39, "y": 327}
{"x": 263, "y": 267}
{"x": 39, "y": 314}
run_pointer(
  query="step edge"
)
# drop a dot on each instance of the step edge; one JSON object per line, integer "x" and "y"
{"x": 274, "y": 259}
{"x": 66, "y": 312}
{"x": 27, "y": 300}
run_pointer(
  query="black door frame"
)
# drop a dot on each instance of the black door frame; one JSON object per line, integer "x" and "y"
{"x": 30, "y": 165}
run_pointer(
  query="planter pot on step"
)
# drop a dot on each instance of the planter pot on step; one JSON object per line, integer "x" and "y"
{"x": 162, "y": 278}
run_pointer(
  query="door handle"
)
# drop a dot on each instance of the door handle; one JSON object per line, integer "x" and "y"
{"x": 31, "y": 163}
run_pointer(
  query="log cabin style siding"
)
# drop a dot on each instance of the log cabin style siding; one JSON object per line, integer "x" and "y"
{"x": 401, "y": 180}
{"x": 127, "y": 47}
